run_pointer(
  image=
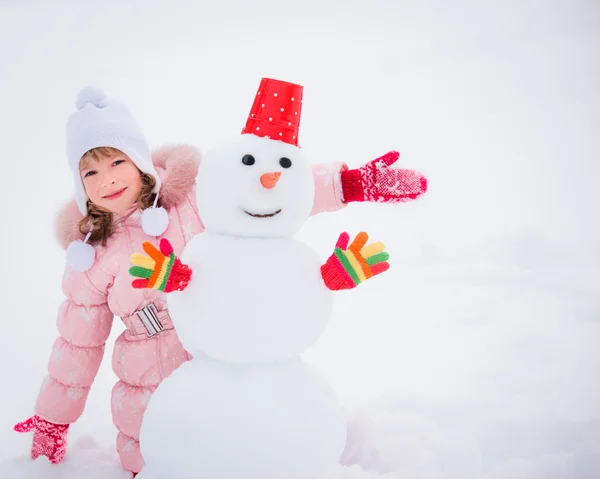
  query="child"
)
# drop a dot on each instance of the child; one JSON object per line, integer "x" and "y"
{"x": 121, "y": 189}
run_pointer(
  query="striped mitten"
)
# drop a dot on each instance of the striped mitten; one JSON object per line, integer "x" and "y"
{"x": 349, "y": 266}
{"x": 160, "y": 270}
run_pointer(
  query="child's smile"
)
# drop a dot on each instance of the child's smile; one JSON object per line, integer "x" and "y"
{"x": 114, "y": 182}
{"x": 115, "y": 195}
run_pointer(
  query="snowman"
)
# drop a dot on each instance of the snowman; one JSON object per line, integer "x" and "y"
{"x": 247, "y": 300}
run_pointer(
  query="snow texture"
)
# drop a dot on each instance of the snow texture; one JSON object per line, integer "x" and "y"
{"x": 251, "y": 299}
{"x": 243, "y": 421}
{"x": 480, "y": 359}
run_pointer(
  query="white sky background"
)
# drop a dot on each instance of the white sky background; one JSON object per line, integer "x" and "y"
{"x": 497, "y": 102}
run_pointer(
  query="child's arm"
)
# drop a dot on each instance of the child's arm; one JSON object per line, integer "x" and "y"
{"x": 177, "y": 167}
{"x": 84, "y": 324}
{"x": 328, "y": 187}
{"x": 336, "y": 185}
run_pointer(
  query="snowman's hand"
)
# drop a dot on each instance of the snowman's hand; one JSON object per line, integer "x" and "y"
{"x": 349, "y": 266}
{"x": 160, "y": 270}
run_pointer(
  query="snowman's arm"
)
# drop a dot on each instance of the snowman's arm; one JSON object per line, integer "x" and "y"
{"x": 376, "y": 181}
{"x": 349, "y": 266}
{"x": 160, "y": 270}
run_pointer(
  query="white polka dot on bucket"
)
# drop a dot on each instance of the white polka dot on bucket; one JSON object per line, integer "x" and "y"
{"x": 293, "y": 99}
{"x": 280, "y": 134}
{"x": 281, "y": 109}
{"x": 257, "y": 128}
{"x": 270, "y": 118}
{"x": 274, "y": 94}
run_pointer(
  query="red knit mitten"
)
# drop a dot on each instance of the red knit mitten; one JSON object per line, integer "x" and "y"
{"x": 377, "y": 182}
{"x": 49, "y": 439}
{"x": 349, "y": 266}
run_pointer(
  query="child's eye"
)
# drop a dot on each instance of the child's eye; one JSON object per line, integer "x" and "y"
{"x": 118, "y": 162}
{"x": 89, "y": 173}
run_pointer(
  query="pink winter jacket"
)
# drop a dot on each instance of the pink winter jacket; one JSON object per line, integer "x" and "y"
{"x": 94, "y": 297}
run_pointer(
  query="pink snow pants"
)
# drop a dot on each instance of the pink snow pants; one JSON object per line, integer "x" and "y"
{"x": 141, "y": 360}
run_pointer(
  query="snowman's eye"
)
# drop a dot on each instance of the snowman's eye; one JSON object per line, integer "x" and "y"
{"x": 248, "y": 160}
{"x": 285, "y": 162}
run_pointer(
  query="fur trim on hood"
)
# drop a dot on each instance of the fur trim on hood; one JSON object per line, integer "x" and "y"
{"x": 177, "y": 166}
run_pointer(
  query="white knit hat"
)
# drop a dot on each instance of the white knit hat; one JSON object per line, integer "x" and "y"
{"x": 98, "y": 122}
{"x": 103, "y": 122}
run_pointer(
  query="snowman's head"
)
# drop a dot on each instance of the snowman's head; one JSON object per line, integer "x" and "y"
{"x": 255, "y": 187}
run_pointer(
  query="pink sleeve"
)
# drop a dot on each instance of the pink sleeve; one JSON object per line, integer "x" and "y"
{"x": 84, "y": 323}
{"x": 191, "y": 223}
{"x": 328, "y": 187}
{"x": 194, "y": 222}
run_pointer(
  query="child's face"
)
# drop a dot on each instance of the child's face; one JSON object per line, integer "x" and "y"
{"x": 114, "y": 182}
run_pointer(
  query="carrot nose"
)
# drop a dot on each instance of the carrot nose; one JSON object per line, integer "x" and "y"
{"x": 269, "y": 180}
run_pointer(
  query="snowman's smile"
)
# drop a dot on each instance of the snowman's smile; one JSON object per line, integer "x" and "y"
{"x": 262, "y": 215}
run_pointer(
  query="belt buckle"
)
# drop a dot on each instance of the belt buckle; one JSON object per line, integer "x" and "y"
{"x": 149, "y": 318}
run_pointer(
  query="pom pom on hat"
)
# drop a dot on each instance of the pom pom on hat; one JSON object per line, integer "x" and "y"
{"x": 93, "y": 95}
{"x": 80, "y": 255}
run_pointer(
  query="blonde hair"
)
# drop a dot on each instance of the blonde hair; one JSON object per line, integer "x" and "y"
{"x": 99, "y": 219}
